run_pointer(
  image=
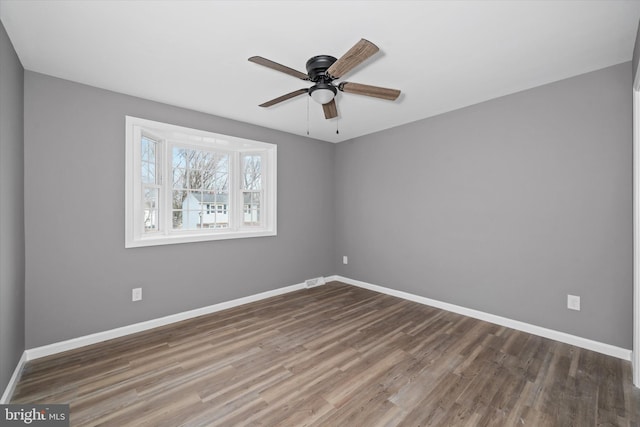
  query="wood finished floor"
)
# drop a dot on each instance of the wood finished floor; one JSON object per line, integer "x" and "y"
{"x": 335, "y": 355}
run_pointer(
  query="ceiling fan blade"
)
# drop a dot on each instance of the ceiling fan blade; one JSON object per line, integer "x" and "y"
{"x": 354, "y": 56}
{"x": 330, "y": 109}
{"x": 367, "y": 90}
{"x": 278, "y": 67}
{"x": 284, "y": 97}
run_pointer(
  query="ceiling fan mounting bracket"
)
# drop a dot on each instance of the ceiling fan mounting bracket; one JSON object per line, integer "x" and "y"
{"x": 317, "y": 68}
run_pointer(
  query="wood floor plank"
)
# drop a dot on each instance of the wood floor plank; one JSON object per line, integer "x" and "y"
{"x": 334, "y": 355}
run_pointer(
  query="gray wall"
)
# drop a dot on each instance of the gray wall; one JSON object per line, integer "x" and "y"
{"x": 12, "y": 262}
{"x": 636, "y": 54}
{"x": 505, "y": 207}
{"x": 79, "y": 275}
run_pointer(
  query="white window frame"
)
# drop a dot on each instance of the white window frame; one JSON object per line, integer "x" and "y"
{"x": 169, "y": 136}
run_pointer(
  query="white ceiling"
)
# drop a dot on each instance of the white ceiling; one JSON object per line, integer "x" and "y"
{"x": 443, "y": 55}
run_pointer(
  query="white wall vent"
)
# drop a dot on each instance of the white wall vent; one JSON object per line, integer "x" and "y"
{"x": 312, "y": 283}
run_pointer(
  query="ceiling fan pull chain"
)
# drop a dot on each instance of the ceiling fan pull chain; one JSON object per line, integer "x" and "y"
{"x": 337, "y": 131}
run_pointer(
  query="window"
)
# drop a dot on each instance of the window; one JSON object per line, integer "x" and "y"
{"x": 187, "y": 185}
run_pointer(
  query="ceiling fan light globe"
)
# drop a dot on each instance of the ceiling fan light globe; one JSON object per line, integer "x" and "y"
{"x": 322, "y": 96}
{"x": 322, "y": 92}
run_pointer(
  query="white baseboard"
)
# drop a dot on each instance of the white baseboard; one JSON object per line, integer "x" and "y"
{"x": 47, "y": 350}
{"x": 620, "y": 353}
{"x": 59, "y": 347}
{"x": 13, "y": 381}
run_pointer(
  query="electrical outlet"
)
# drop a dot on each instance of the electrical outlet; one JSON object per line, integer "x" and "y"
{"x": 345, "y": 260}
{"x": 136, "y": 294}
{"x": 573, "y": 302}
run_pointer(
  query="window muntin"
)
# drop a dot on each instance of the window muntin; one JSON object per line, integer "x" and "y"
{"x": 189, "y": 185}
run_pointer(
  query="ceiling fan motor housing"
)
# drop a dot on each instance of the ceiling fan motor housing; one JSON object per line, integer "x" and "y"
{"x": 317, "y": 67}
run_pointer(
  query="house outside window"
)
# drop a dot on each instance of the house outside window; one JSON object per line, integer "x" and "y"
{"x": 219, "y": 208}
{"x": 187, "y": 185}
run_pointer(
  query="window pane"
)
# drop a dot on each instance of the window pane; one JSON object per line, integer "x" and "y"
{"x": 144, "y": 173}
{"x": 221, "y": 184}
{"x": 150, "y": 207}
{"x": 150, "y": 220}
{"x": 195, "y": 201}
{"x": 148, "y": 161}
{"x": 206, "y": 197}
{"x": 144, "y": 149}
{"x": 194, "y": 179}
{"x": 251, "y": 208}
{"x": 208, "y": 180}
{"x": 195, "y": 159}
{"x": 148, "y": 149}
{"x": 207, "y": 160}
{"x": 192, "y": 220}
{"x": 180, "y": 199}
{"x": 177, "y": 220}
{"x": 223, "y": 163}
{"x": 179, "y": 178}
{"x": 187, "y": 219}
{"x": 151, "y": 148}
{"x": 251, "y": 172}
{"x": 179, "y": 159}
{"x": 150, "y": 198}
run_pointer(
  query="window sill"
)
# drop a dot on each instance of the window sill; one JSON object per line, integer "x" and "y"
{"x": 196, "y": 237}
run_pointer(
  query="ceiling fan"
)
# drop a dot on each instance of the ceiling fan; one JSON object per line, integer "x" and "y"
{"x": 323, "y": 70}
